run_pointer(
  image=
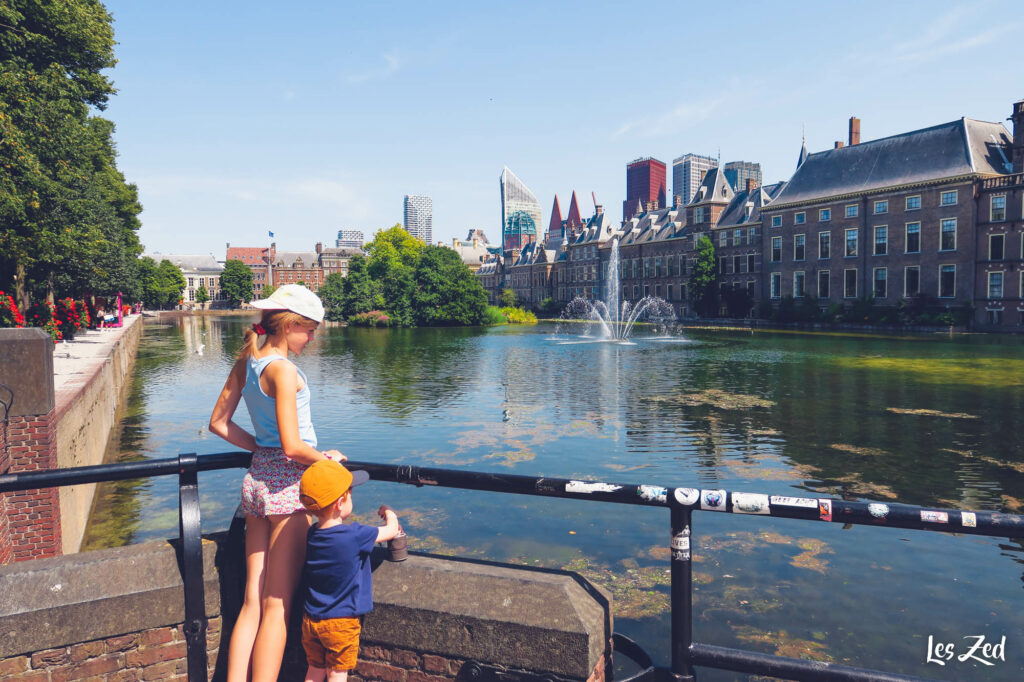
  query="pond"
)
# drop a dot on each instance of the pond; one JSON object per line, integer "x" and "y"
{"x": 929, "y": 420}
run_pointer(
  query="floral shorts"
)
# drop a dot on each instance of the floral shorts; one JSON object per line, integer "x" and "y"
{"x": 271, "y": 486}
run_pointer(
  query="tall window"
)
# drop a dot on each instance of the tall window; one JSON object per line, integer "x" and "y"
{"x": 800, "y": 218}
{"x": 647, "y": 268}
{"x": 881, "y": 207}
{"x": 657, "y": 266}
{"x": 698, "y": 215}
{"x": 947, "y": 281}
{"x": 911, "y": 281}
{"x": 737, "y": 237}
{"x": 850, "y": 283}
{"x": 723, "y": 238}
{"x": 776, "y": 249}
{"x": 880, "y": 276}
{"x": 798, "y": 285}
{"x": 914, "y": 203}
{"x": 948, "y": 198}
{"x": 881, "y": 240}
{"x": 995, "y": 285}
{"x": 995, "y": 246}
{"x": 824, "y": 244}
{"x": 737, "y": 263}
{"x": 750, "y": 262}
{"x": 851, "y": 242}
{"x": 823, "y": 284}
{"x": 721, "y": 265}
{"x": 751, "y": 234}
{"x": 852, "y": 210}
{"x": 825, "y": 214}
{"x": 998, "y": 212}
{"x": 947, "y": 240}
{"x": 913, "y": 237}
{"x": 776, "y": 285}
{"x": 799, "y": 246}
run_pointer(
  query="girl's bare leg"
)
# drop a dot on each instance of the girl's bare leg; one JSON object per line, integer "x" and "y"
{"x": 257, "y": 539}
{"x": 286, "y": 553}
{"x": 314, "y": 674}
{"x": 337, "y": 676}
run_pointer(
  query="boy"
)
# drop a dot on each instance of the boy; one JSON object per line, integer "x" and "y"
{"x": 337, "y": 569}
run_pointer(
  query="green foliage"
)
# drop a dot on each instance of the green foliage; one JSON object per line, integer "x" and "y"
{"x": 519, "y": 316}
{"x": 42, "y": 315}
{"x": 359, "y": 291}
{"x": 269, "y": 289}
{"x": 68, "y": 219}
{"x": 202, "y": 295}
{"x": 392, "y": 249}
{"x": 738, "y": 301}
{"x": 331, "y": 293}
{"x": 372, "y": 318}
{"x": 550, "y": 306}
{"x": 236, "y": 282}
{"x": 765, "y": 311}
{"x": 701, "y": 283}
{"x": 66, "y": 315}
{"x": 493, "y": 316}
{"x": 447, "y": 293}
{"x": 10, "y": 316}
{"x": 508, "y": 298}
{"x": 861, "y": 311}
{"x": 786, "y": 312}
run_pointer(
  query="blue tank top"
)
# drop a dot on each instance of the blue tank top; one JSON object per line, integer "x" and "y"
{"x": 263, "y": 409}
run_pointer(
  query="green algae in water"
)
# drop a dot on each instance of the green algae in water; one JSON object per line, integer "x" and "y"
{"x": 997, "y": 372}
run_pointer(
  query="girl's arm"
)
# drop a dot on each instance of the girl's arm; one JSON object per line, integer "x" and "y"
{"x": 283, "y": 380}
{"x": 221, "y": 423}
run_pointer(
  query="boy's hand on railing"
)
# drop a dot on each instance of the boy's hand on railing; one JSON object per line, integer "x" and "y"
{"x": 383, "y": 512}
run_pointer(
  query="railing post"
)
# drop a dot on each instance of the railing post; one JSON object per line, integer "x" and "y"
{"x": 192, "y": 568}
{"x": 682, "y": 595}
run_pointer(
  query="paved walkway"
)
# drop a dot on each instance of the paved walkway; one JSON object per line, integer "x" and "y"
{"x": 76, "y": 362}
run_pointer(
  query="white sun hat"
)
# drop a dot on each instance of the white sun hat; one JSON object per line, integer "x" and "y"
{"x": 296, "y": 298}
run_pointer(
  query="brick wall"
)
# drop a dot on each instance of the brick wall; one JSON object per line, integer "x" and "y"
{"x": 153, "y": 654}
{"x": 6, "y": 551}
{"x": 33, "y": 515}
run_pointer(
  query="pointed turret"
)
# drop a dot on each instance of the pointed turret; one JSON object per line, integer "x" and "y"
{"x": 574, "y": 221}
{"x": 555, "y": 224}
{"x": 803, "y": 151}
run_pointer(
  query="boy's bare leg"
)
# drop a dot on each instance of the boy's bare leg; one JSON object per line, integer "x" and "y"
{"x": 337, "y": 676}
{"x": 314, "y": 674}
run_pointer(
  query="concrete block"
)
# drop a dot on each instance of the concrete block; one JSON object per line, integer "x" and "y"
{"x": 26, "y": 366}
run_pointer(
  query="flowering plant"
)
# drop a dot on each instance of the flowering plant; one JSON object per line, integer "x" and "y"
{"x": 42, "y": 315}
{"x": 10, "y": 316}
{"x": 67, "y": 318}
{"x": 84, "y": 319}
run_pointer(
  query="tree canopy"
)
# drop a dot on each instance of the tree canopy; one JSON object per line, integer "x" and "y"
{"x": 701, "y": 285}
{"x": 236, "y": 282}
{"x": 68, "y": 219}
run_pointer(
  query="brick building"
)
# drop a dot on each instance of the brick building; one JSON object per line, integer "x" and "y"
{"x": 645, "y": 183}
{"x": 270, "y": 266}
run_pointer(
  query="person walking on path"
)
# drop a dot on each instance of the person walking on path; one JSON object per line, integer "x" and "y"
{"x": 277, "y": 397}
{"x": 339, "y": 585}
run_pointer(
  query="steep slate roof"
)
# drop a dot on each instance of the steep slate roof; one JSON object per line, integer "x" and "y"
{"x": 288, "y": 258}
{"x": 574, "y": 218}
{"x": 713, "y": 188}
{"x": 195, "y": 262}
{"x": 961, "y": 147}
{"x": 736, "y": 212}
{"x": 555, "y": 224}
{"x": 653, "y": 226}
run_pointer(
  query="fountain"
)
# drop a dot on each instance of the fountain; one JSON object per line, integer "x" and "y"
{"x": 613, "y": 321}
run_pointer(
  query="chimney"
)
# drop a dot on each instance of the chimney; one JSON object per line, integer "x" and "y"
{"x": 598, "y": 209}
{"x": 854, "y": 130}
{"x": 476, "y": 242}
{"x": 319, "y": 247}
{"x": 839, "y": 144}
{"x": 1017, "y": 153}
{"x": 751, "y": 184}
{"x": 677, "y": 200}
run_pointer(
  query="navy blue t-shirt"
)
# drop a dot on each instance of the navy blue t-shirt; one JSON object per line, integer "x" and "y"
{"x": 337, "y": 571}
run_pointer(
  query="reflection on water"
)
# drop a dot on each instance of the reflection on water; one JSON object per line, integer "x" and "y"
{"x": 923, "y": 420}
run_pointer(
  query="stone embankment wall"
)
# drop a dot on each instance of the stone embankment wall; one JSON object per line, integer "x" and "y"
{"x": 64, "y": 618}
{"x": 58, "y": 427}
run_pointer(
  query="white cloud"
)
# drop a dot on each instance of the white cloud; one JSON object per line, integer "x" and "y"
{"x": 949, "y": 34}
{"x": 391, "y": 64}
{"x": 684, "y": 115}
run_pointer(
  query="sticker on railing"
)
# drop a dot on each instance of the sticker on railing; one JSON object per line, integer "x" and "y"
{"x": 878, "y": 510}
{"x": 968, "y": 519}
{"x": 749, "y": 503}
{"x": 687, "y": 496}
{"x": 652, "y": 493}
{"x": 680, "y": 545}
{"x": 805, "y": 502}
{"x": 930, "y": 516}
{"x": 590, "y": 487}
{"x": 712, "y": 500}
{"x": 825, "y": 510}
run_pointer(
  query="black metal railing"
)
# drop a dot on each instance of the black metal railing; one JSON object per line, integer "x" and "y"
{"x": 680, "y": 501}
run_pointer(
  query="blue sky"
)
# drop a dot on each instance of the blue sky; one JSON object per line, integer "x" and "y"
{"x": 239, "y": 118}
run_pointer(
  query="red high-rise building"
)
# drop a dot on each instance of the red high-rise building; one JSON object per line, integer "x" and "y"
{"x": 645, "y": 181}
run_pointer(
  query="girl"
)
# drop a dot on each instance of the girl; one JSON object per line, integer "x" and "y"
{"x": 277, "y": 397}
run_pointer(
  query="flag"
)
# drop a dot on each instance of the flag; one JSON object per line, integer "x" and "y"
{"x": 270, "y": 233}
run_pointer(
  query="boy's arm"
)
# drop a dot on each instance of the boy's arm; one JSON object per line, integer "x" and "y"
{"x": 391, "y": 529}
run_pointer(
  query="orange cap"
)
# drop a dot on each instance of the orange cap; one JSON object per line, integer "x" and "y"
{"x": 325, "y": 481}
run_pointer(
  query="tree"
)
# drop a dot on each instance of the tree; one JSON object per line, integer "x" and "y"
{"x": 701, "y": 283}
{"x": 508, "y": 298}
{"x": 447, "y": 293}
{"x": 392, "y": 248}
{"x": 67, "y": 217}
{"x": 268, "y": 290}
{"x": 202, "y": 295}
{"x": 332, "y": 295}
{"x": 360, "y": 291}
{"x": 236, "y": 282}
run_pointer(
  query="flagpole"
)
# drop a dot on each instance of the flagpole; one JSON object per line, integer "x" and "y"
{"x": 270, "y": 260}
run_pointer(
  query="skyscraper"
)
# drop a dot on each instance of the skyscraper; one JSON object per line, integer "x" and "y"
{"x": 645, "y": 182}
{"x": 520, "y": 212}
{"x": 419, "y": 217}
{"x": 352, "y": 239}
{"x": 738, "y": 172}
{"x": 687, "y": 173}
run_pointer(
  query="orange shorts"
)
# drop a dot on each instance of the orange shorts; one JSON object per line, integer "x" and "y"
{"x": 331, "y": 643}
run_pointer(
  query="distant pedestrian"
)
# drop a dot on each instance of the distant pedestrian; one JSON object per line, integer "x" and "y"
{"x": 339, "y": 583}
{"x": 277, "y": 397}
